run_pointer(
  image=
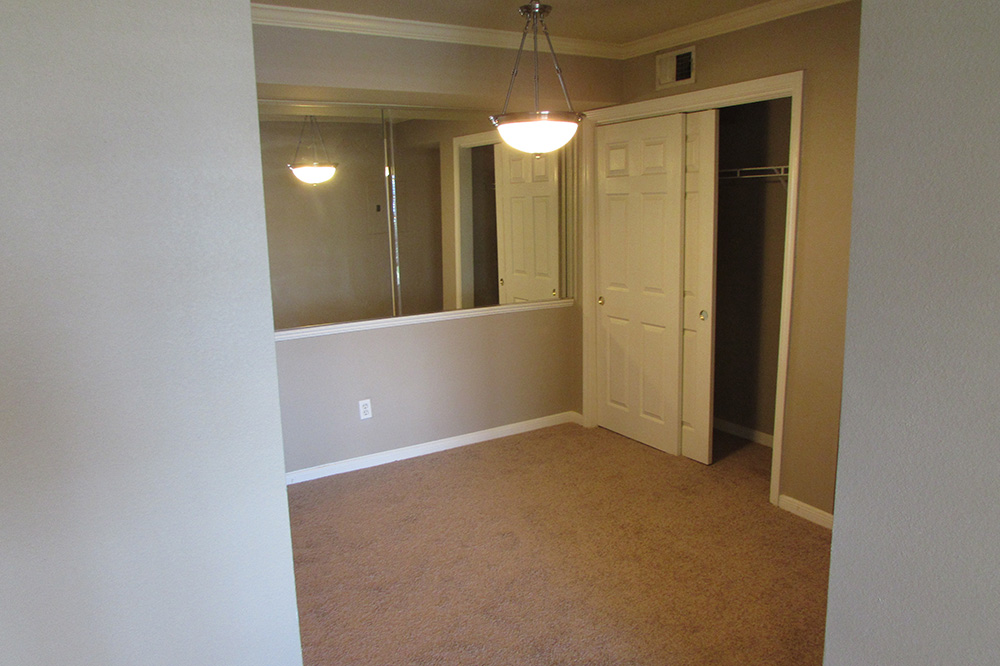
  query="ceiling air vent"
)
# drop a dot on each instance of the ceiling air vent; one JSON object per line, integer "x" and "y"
{"x": 675, "y": 68}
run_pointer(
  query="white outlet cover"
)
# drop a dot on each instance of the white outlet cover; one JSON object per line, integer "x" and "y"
{"x": 365, "y": 409}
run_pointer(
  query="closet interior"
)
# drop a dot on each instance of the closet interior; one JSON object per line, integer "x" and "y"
{"x": 752, "y": 203}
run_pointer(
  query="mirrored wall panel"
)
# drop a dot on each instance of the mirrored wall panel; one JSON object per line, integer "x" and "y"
{"x": 410, "y": 223}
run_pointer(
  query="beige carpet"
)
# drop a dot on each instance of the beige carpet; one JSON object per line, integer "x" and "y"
{"x": 565, "y": 545}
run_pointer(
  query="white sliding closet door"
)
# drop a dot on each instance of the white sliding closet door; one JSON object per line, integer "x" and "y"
{"x": 639, "y": 217}
{"x": 656, "y": 280}
{"x": 701, "y": 177}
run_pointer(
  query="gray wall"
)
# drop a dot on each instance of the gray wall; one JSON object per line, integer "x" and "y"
{"x": 143, "y": 517}
{"x": 915, "y": 550}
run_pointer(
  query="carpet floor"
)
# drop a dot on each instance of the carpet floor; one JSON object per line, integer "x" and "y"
{"x": 562, "y": 546}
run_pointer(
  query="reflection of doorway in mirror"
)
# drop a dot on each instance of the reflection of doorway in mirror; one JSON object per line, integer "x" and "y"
{"x": 485, "y": 269}
{"x": 528, "y": 251}
{"x": 524, "y": 207}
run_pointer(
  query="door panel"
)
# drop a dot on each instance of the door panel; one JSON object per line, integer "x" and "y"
{"x": 527, "y": 225}
{"x": 654, "y": 344}
{"x": 656, "y": 187}
{"x": 640, "y": 236}
{"x": 617, "y": 353}
{"x": 700, "y": 196}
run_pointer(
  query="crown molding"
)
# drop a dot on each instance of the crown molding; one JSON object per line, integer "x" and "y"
{"x": 766, "y": 12}
{"x": 291, "y": 17}
{"x": 311, "y": 19}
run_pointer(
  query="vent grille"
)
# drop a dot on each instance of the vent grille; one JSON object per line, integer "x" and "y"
{"x": 675, "y": 68}
{"x": 684, "y": 68}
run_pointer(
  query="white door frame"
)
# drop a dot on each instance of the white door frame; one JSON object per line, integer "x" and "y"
{"x": 759, "y": 90}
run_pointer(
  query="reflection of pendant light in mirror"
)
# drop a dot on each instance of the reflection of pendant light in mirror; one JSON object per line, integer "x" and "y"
{"x": 319, "y": 169}
{"x": 537, "y": 131}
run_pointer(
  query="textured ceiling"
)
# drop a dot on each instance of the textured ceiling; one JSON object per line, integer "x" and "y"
{"x": 613, "y": 21}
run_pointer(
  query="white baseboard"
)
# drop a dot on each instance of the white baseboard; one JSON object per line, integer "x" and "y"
{"x": 743, "y": 432}
{"x": 803, "y": 510}
{"x": 394, "y": 455}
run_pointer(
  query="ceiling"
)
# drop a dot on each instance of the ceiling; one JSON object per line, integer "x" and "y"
{"x": 612, "y": 22}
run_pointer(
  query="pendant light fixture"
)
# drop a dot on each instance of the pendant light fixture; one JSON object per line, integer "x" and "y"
{"x": 537, "y": 131}
{"x": 319, "y": 169}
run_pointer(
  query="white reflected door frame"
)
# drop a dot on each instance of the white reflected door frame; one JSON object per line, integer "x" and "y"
{"x": 456, "y": 231}
{"x": 775, "y": 87}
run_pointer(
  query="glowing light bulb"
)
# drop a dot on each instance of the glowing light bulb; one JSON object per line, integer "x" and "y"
{"x": 315, "y": 173}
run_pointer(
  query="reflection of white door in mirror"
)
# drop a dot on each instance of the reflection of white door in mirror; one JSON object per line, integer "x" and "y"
{"x": 527, "y": 199}
{"x": 525, "y": 214}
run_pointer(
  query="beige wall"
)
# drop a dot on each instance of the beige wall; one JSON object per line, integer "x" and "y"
{"x": 426, "y": 382}
{"x": 451, "y": 75}
{"x": 823, "y": 43}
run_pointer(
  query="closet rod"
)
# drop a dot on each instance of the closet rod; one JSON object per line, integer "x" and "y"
{"x": 755, "y": 172}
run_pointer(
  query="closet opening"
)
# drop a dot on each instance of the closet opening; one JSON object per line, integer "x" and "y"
{"x": 752, "y": 203}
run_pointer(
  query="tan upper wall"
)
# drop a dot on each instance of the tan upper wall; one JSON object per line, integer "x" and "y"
{"x": 823, "y": 43}
{"x": 451, "y": 75}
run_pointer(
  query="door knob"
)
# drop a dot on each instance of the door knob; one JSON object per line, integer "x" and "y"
{"x": 501, "y": 282}
{"x": 553, "y": 292}
{"x": 600, "y": 301}
{"x": 703, "y": 315}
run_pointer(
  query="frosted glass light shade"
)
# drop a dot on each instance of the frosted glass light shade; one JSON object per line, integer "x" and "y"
{"x": 536, "y": 133}
{"x": 314, "y": 174}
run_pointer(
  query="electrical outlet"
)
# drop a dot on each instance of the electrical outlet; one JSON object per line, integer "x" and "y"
{"x": 365, "y": 408}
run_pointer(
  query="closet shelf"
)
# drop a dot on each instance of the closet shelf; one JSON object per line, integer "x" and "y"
{"x": 755, "y": 172}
